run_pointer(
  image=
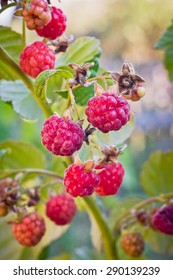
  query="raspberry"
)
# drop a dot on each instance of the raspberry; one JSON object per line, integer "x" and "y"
{"x": 108, "y": 112}
{"x": 55, "y": 27}
{"x": 162, "y": 220}
{"x": 62, "y": 137}
{"x": 36, "y": 14}
{"x": 78, "y": 181}
{"x": 36, "y": 58}
{"x": 61, "y": 209}
{"x": 132, "y": 244}
{"x": 30, "y": 230}
{"x": 110, "y": 178}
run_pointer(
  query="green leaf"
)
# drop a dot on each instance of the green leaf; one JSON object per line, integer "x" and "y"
{"x": 168, "y": 61}
{"x": 11, "y": 43}
{"x": 166, "y": 40}
{"x": 41, "y": 82}
{"x": 21, "y": 100}
{"x": 83, "y": 94}
{"x": 82, "y": 50}
{"x": 21, "y": 155}
{"x": 156, "y": 175}
{"x": 160, "y": 243}
{"x": 166, "y": 43}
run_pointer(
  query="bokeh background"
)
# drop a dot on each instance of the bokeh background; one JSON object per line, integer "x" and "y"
{"x": 128, "y": 30}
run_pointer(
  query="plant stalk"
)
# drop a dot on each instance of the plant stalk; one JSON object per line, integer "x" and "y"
{"x": 108, "y": 240}
{"x": 34, "y": 171}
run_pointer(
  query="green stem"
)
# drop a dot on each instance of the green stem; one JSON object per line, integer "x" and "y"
{"x": 160, "y": 198}
{"x": 108, "y": 241}
{"x": 23, "y": 33}
{"x": 34, "y": 171}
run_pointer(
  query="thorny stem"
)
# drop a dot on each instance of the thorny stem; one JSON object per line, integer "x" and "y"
{"x": 160, "y": 198}
{"x": 108, "y": 240}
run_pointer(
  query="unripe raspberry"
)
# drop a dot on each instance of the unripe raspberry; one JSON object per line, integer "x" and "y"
{"x": 162, "y": 220}
{"x": 108, "y": 112}
{"x": 36, "y": 14}
{"x": 30, "y": 230}
{"x": 78, "y": 181}
{"x": 61, "y": 209}
{"x": 55, "y": 27}
{"x": 110, "y": 178}
{"x": 36, "y": 58}
{"x": 62, "y": 137}
{"x": 132, "y": 244}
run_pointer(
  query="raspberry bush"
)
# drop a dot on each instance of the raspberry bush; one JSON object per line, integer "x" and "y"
{"x": 83, "y": 115}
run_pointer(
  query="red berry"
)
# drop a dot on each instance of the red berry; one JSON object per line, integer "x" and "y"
{"x": 78, "y": 181}
{"x": 110, "y": 178}
{"x": 132, "y": 244}
{"x": 62, "y": 137}
{"x": 30, "y": 230}
{"x": 108, "y": 112}
{"x": 55, "y": 27}
{"x": 36, "y": 58}
{"x": 162, "y": 220}
{"x": 61, "y": 209}
{"x": 36, "y": 14}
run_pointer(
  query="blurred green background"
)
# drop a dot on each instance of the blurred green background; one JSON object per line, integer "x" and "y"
{"x": 128, "y": 29}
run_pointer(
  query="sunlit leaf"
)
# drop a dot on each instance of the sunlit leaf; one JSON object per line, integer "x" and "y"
{"x": 156, "y": 175}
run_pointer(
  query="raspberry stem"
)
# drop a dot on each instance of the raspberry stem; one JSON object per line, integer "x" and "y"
{"x": 23, "y": 33}
{"x": 161, "y": 198}
{"x": 34, "y": 171}
{"x": 108, "y": 240}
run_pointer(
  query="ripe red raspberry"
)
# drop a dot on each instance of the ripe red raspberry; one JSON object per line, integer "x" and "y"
{"x": 62, "y": 137}
{"x": 108, "y": 112}
{"x": 36, "y": 58}
{"x": 162, "y": 220}
{"x": 132, "y": 244}
{"x": 36, "y": 14}
{"x": 30, "y": 230}
{"x": 61, "y": 209}
{"x": 110, "y": 178}
{"x": 78, "y": 181}
{"x": 55, "y": 27}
